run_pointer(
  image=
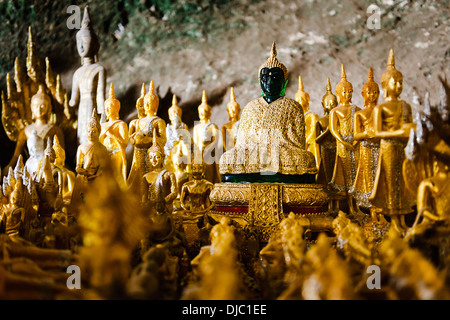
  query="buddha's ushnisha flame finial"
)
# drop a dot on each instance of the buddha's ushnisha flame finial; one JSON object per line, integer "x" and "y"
{"x": 343, "y": 75}
{"x": 328, "y": 85}
{"x": 93, "y": 122}
{"x": 391, "y": 59}
{"x": 273, "y": 62}
{"x": 143, "y": 90}
{"x": 204, "y": 99}
{"x": 151, "y": 89}
{"x": 86, "y": 22}
{"x": 174, "y": 101}
{"x": 232, "y": 95}
{"x": 370, "y": 75}
{"x": 111, "y": 92}
{"x": 59, "y": 151}
{"x": 300, "y": 83}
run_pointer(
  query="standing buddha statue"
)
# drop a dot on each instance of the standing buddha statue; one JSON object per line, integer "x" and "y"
{"x": 341, "y": 127}
{"x": 369, "y": 146}
{"x": 230, "y": 129}
{"x": 310, "y": 121}
{"x": 176, "y": 130}
{"x": 325, "y": 140}
{"x": 392, "y": 125}
{"x": 89, "y": 81}
{"x": 141, "y": 137}
{"x": 114, "y": 136}
{"x": 206, "y": 136}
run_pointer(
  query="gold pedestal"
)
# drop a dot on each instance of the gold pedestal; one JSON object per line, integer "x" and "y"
{"x": 260, "y": 207}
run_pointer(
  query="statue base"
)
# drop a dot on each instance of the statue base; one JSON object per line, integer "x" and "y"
{"x": 260, "y": 207}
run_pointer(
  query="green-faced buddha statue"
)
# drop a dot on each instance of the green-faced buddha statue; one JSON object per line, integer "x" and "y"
{"x": 270, "y": 145}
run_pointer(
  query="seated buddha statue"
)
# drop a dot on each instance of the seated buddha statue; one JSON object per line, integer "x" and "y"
{"x": 270, "y": 144}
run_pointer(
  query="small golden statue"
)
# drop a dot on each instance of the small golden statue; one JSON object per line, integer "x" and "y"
{"x": 206, "y": 135}
{"x": 180, "y": 169}
{"x": 271, "y": 131}
{"x": 14, "y": 212}
{"x": 392, "y": 125}
{"x": 114, "y": 135}
{"x": 92, "y": 158}
{"x": 36, "y": 134}
{"x": 341, "y": 127}
{"x": 160, "y": 184}
{"x": 141, "y": 138}
{"x": 311, "y": 119}
{"x": 89, "y": 81}
{"x": 176, "y": 129}
{"x": 325, "y": 139}
{"x": 66, "y": 177}
{"x": 195, "y": 193}
{"x": 368, "y": 150}
{"x": 230, "y": 129}
{"x": 140, "y": 111}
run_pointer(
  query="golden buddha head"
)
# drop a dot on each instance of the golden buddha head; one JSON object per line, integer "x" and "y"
{"x": 175, "y": 110}
{"x": 112, "y": 105}
{"x": 233, "y": 108}
{"x": 344, "y": 89}
{"x": 370, "y": 90}
{"x": 204, "y": 109}
{"x": 41, "y": 105}
{"x": 155, "y": 154}
{"x": 392, "y": 79}
{"x": 329, "y": 100}
{"x": 301, "y": 96}
{"x": 93, "y": 127}
{"x": 140, "y": 103}
{"x": 151, "y": 101}
{"x": 197, "y": 171}
{"x": 87, "y": 41}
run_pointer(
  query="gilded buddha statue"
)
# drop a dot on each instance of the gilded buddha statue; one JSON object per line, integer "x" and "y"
{"x": 271, "y": 137}
{"x": 325, "y": 140}
{"x": 66, "y": 177}
{"x": 89, "y": 81}
{"x": 176, "y": 129}
{"x": 206, "y": 135}
{"x": 392, "y": 125}
{"x": 310, "y": 121}
{"x": 114, "y": 135}
{"x": 231, "y": 129}
{"x": 369, "y": 146}
{"x": 141, "y": 137}
{"x": 341, "y": 127}
{"x": 36, "y": 134}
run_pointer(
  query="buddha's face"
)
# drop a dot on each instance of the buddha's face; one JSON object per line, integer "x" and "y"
{"x": 197, "y": 171}
{"x": 112, "y": 110}
{"x": 93, "y": 133}
{"x": 394, "y": 87}
{"x": 272, "y": 81}
{"x": 40, "y": 107}
{"x": 156, "y": 159}
{"x": 345, "y": 95}
{"x": 84, "y": 45}
{"x": 304, "y": 102}
{"x": 204, "y": 114}
{"x": 233, "y": 111}
{"x": 151, "y": 106}
{"x": 140, "y": 108}
{"x": 174, "y": 115}
{"x": 370, "y": 95}
{"x": 329, "y": 103}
